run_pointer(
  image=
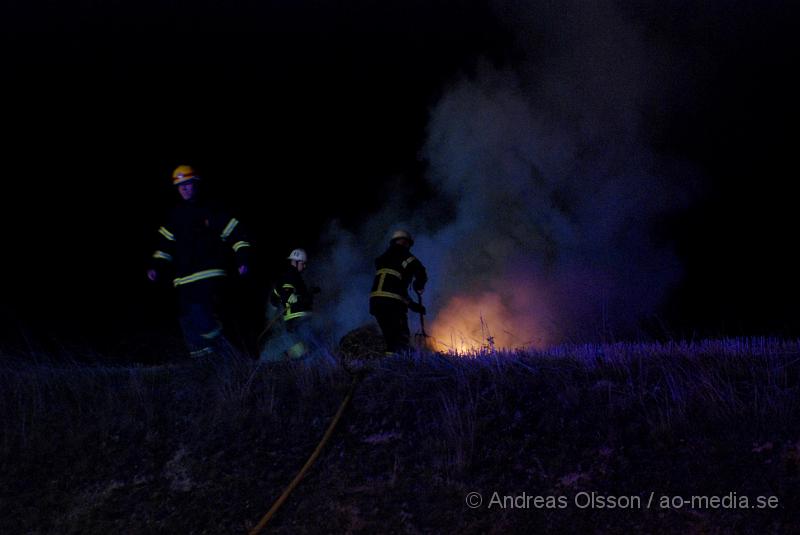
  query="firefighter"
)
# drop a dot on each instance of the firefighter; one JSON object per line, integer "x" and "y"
{"x": 195, "y": 247}
{"x": 293, "y": 336}
{"x": 389, "y": 301}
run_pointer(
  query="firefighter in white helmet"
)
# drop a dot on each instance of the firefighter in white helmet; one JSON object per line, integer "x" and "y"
{"x": 295, "y": 338}
{"x": 389, "y": 302}
{"x": 195, "y": 245}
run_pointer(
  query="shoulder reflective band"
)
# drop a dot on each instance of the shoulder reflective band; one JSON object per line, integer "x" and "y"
{"x": 163, "y": 255}
{"x": 407, "y": 261}
{"x": 200, "y": 275}
{"x": 239, "y": 244}
{"x": 288, "y": 287}
{"x": 167, "y": 234}
{"x": 229, "y": 228}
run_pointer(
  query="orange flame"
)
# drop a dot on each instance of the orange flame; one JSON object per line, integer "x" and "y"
{"x": 485, "y": 322}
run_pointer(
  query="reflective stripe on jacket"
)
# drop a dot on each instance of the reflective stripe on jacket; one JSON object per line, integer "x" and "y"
{"x": 199, "y": 241}
{"x": 291, "y": 293}
{"x": 396, "y": 269}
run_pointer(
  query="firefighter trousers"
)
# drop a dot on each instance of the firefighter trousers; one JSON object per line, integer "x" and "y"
{"x": 292, "y": 340}
{"x": 200, "y": 304}
{"x": 392, "y": 318}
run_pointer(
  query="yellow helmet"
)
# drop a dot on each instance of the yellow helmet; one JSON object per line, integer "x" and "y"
{"x": 183, "y": 173}
{"x": 398, "y": 234}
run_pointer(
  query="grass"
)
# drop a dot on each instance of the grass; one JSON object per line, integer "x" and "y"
{"x": 206, "y": 448}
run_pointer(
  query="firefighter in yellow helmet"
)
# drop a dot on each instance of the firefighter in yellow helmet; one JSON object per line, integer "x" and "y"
{"x": 389, "y": 302}
{"x": 293, "y": 335}
{"x": 195, "y": 246}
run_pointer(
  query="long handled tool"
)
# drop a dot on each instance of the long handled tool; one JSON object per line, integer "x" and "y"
{"x": 422, "y": 337}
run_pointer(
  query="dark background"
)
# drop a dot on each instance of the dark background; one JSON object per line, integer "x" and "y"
{"x": 300, "y": 112}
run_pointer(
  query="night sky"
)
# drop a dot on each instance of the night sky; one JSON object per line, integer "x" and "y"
{"x": 302, "y": 113}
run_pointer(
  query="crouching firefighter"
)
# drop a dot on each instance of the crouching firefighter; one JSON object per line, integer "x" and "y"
{"x": 292, "y": 335}
{"x": 389, "y": 301}
{"x": 195, "y": 245}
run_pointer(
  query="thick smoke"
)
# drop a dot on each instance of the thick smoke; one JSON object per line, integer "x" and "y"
{"x": 547, "y": 190}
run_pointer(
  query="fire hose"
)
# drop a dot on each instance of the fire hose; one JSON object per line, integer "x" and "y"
{"x": 310, "y": 461}
{"x": 328, "y": 432}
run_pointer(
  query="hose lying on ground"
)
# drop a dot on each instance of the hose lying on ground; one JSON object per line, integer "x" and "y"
{"x": 310, "y": 461}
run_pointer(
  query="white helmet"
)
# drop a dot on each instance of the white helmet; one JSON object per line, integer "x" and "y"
{"x": 298, "y": 255}
{"x": 397, "y": 234}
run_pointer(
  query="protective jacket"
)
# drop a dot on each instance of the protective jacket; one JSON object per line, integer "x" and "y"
{"x": 395, "y": 270}
{"x": 196, "y": 243}
{"x": 291, "y": 293}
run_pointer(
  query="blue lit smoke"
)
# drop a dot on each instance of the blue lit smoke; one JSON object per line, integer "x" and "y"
{"x": 546, "y": 186}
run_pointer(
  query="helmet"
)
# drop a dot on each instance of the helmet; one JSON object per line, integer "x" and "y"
{"x": 298, "y": 255}
{"x": 398, "y": 234}
{"x": 183, "y": 173}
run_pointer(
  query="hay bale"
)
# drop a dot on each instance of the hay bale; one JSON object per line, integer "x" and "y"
{"x": 363, "y": 343}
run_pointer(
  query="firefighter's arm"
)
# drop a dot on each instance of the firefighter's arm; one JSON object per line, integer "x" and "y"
{"x": 162, "y": 257}
{"x": 287, "y": 293}
{"x": 420, "y": 277}
{"x": 235, "y": 236}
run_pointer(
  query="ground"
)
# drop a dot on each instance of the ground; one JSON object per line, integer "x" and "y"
{"x": 206, "y": 447}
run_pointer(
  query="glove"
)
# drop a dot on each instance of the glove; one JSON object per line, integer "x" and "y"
{"x": 416, "y": 307}
{"x": 292, "y": 299}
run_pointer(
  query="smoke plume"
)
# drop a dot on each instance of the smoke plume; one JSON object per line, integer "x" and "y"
{"x": 546, "y": 187}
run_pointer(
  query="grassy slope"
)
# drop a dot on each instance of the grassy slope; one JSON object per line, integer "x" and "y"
{"x": 207, "y": 448}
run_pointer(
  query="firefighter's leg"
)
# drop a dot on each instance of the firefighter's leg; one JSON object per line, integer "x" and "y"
{"x": 201, "y": 327}
{"x": 400, "y": 333}
{"x": 300, "y": 334}
{"x": 297, "y": 350}
{"x": 404, "y": 336}
{"x": 386, "y": 329}
{"x": 276, "y": 346}
{"x": 394, "y": 325}
{"x": 195, "y": 331}
{"x": 310, "y": 333}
